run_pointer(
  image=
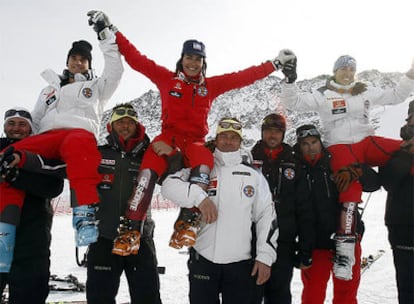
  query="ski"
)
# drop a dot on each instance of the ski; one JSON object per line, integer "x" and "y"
{"x": 367, "y": 261}
{"x": 67, "y": 283}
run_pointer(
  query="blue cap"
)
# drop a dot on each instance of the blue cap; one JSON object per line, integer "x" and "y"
{"x": 194, "y": 47}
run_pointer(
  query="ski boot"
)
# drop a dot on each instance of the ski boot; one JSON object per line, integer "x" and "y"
{"x": 185, "y": 228}
{"x": 344, "y": 256}
{"x": 85, "y": 224}
{"x": 128, "y": 240}
{"x": 7, "y": 241}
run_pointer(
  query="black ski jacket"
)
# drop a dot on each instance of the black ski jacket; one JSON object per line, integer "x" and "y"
{"x": 119, "y": 170}
{"x": 33, "y": 234}
{"x": 290, "y": 196}
{"x": 324, "y": 197}
{"x": 398, "y": 179}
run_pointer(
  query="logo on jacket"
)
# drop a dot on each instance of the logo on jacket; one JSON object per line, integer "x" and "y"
{"x": 87, "y": 92}
{"x": 50, "y": 97}
{"x": 338, "y": 106}
{"x": 107, "y": 161}
{"x": 248, "y": 191}
{"x": 212, "y": 187}
{"x": 175, "y": 94}
{"x": 202, "y": 91}
{"x": 289, "y": 173}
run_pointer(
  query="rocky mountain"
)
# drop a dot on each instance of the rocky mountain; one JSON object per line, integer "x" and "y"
{"x": 250, "y": 104}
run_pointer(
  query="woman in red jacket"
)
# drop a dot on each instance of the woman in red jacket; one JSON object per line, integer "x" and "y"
{"x": 186, "y": 96}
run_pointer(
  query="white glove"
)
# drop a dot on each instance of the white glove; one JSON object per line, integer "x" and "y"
{"x": 284, "y": 56}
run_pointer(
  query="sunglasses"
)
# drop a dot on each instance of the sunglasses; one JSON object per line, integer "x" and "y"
{"x": 123, "y": 111}
{"x": 230, "y": 125}
{"x": 306, "y": 133}
{"x": 21, "y": 113}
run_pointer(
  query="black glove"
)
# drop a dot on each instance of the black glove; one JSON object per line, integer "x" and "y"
{"x": 10, "y": 174}
{"x": 302, "y": 260}
{"x": 100, "y": 21}
{"x": 289, "y": 70}
{"x": 5, "y": 159}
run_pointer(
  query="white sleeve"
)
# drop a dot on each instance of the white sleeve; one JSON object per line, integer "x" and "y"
{"x": 113, "y": 69}
{"x": 393, "y": 95}
{"x": 267, "y": 231}
{"x": 177, "y": 189}
{"x": 294, "y": 100}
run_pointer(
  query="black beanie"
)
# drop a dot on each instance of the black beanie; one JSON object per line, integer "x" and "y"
{"x": 83, "y": 48}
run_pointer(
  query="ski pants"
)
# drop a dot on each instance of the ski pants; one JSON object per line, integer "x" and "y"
{"x": 404, "y": 273}
{"x": 194, "y": 152}
{"x": 28, "y": 278}
{"x": 315, "y": 279}
{"x": 105, "y": 270}
{"x": 77, "y": 148}
{"x": 277, "y": 289}
{"x": 209, "y": 280}
{"x": 372, "y": 150}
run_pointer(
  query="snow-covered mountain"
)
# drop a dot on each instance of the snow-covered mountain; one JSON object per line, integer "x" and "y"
{"x": 250, "y": 104}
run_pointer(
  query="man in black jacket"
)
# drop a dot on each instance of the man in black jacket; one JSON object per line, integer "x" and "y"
{"x": 28, "y": 278}
{"x": 315, "y": 162}
{"x": 119, "y": 168}
{"x": 397, "y": 177}
{"x": 291, "y": 198}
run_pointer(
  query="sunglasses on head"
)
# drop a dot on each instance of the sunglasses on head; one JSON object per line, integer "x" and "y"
{"x": 233, "y": 125}
{"x": 21, "y": 113}
{"x": 123, "y": 111}
{"x": 306, "y": 133}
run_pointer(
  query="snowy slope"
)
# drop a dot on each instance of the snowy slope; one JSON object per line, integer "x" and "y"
{"x": 377, "y": 284}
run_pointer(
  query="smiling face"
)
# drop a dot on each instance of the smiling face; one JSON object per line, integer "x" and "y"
{"x": 228, "y": 141}
{"x": 17, "y": 128}
{"x": 344, "y": 75}
{"x": 78, "y": 64}
{"x": 272, "y": 137}
{"x": 192, "y": 64}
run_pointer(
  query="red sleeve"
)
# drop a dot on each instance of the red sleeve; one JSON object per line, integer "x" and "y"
{"x": 140, "y": 62}
{"x": 223, "y": 83}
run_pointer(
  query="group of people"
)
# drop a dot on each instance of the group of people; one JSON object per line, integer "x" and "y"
{"x": 248, "y": 217}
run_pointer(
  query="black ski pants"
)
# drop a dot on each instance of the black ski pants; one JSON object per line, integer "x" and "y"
{"x": 210, "y": 281}
{"x": 105, "y": 269}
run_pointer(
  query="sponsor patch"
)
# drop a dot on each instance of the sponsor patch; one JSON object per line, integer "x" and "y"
{"x": 87, "y": 92}
{"x": 175, "y": 94}
{"x": 248, "y": 191}
{"x": 289, "y": 173}
{"x": 50, "y": 97}
{"x": 107, "y": 178}
{"x": 241, "y": 173}
{"x": 202, "y": 91}
{"x": 338, "y": 106}
{"x": 107, "y": 161}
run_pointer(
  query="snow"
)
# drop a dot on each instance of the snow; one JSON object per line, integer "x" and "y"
{"x": 377, "y": 283}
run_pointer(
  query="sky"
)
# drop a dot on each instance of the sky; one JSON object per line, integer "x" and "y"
{"x": 36, "y": 35}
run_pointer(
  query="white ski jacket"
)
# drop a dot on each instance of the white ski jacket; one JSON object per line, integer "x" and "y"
{"x": 242, "y": 197}
{"x": 345, "y": 117}
{"x": 79, "y": 104}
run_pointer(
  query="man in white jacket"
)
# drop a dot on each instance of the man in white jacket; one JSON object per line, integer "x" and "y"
{"x": 344, "y": 106}
{"x": 66, "y": 118}
{"x": 238, "y": 196}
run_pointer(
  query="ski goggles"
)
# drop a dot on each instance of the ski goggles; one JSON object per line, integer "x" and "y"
{"x": 309, "y": 132}
{"x": 122, "y": 112}
{"x": 229, "y": 124}
{"x": 17, "y": 113}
